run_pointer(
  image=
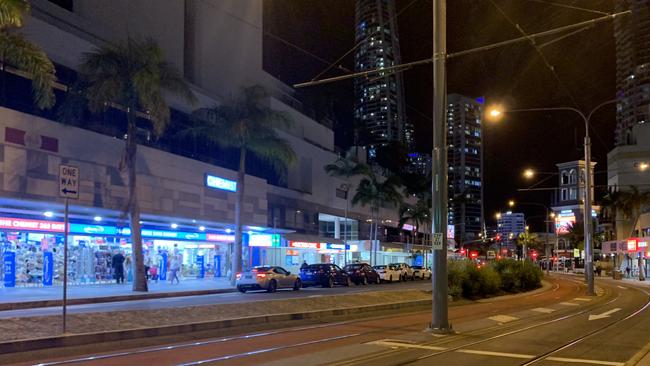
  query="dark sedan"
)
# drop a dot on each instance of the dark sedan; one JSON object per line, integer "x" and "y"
{"x": 324, "y": 274}
{"x": 362, "y": 273}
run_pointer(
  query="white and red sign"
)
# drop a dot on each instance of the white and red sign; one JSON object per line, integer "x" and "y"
{"x": 632, "y": 244}
{"x": 220, "y": 237}
{"x": 303, "y": 244}
{"x": 33, "y": 225}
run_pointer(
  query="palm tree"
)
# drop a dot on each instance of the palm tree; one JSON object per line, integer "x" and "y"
{"x": 132, "y": 75}
{"x": 346, "y": 167}
{"x": 632, "y": 202}
{"x": 527, "y": 241}
{"x": 17, "y": 51}
{"x": 419, "y": 214}
{"x": 248, "y": 125}
{"x": 374, "y": 193}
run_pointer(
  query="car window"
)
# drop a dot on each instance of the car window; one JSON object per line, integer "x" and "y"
{"x": 381, "y": 267}
{"x": 280, "y": 270}
{"x": 335, "y": 267}
{"x": 315, "y": 267}
{"x": 262, "y": 269}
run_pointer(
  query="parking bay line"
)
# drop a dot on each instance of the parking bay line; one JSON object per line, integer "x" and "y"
{"x": 569, "y": 304}
{"x": 543, "y": 310}
{"x": 503, "y": 318}
{"x": 579, "y": 360}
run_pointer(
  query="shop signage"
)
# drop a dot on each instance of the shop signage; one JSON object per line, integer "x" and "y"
{"x": 642, "y": 244}
{"x": 302, "y": 244}
{"x": 166, "y": 234}
{"x": 68, "y": 181}
{"x": 264, "y": 240}
{"x": 93, "y": 229}
{"x": 213, "y": 181}
{"x": 576, "y": 253}
{"x": 220, "y": 237}
{"x": 48, "y": 268}
{"x": 632, "y": 244}
{"x": 408, "y": 227}
{"x": 337, "y": 246}
{"x": 33, "y": 225}
{"x": 9, "y": 265}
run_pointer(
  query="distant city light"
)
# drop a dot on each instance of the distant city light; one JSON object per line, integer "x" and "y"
{"x": 48, "y": 214}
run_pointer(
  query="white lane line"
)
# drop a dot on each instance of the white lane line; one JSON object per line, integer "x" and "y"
{"x": 503, "y": 318}
{"x": 581, "y": 299}
{"x": 393, "y": 344}
{"x": 622, "y": 288}
{"x": 569, "y": 304}
{"x": 490, "y": 353}
{"x": 543, "y": 310}
{"x": 578, "y": 360}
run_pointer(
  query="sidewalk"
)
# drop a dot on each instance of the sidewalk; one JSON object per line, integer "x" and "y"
{"x": 29, "y": 297}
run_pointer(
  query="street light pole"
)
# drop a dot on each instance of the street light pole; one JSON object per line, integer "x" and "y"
{"x": 589, "y": 246}
{"x": 439, "y": 316}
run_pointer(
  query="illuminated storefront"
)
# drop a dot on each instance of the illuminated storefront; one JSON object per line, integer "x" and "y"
{"x": 32, "y": 252}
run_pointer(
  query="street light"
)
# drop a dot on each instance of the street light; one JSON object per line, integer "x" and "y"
{"x": 511, "y": 203}
{"x": 529, "y": 173}
{"x": 497, "y": 112}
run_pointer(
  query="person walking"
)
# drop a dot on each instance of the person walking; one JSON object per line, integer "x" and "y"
{"x": 174, "y": 267}
{"x": 304, "y": 265}
{"x": 627, "y": 271}
{"x": 118, "y": 266}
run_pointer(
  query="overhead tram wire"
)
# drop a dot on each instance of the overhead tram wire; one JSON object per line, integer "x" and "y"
{"x": 570, "y": 7}
{"x": 397, "y": 68}
{"x": 335, "y": 63}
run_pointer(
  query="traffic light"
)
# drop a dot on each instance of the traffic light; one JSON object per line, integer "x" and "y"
{"x": 473, "y": 254}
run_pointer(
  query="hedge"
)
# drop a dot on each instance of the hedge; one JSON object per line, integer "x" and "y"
{"x": 466, "y": 279}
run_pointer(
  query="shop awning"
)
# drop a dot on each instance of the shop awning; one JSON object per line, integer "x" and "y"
{"x": 311, "y": 238}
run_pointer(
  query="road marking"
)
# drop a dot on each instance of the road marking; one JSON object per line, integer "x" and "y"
{"x": 581, "y": 299}
{"x": 604, "y": 315}
{"x": 393, "y": 344}
{"x": 503, "y": 318}
{"x": 543, "y": 310}
{"x": 578, "y": 360}
{"x": 569, "y": 304}
{"x": 490, "y": 353}
{"x": 622, "y": 288}
{"x": 315, "y": 296}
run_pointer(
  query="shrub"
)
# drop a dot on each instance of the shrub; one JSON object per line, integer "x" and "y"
{"x": 472, "y": 281}
{"x": 530, "y": 276}
{"x": 490, "y": 281}
{"x": 518, "y": 275}
{"x": 456, "y": 276}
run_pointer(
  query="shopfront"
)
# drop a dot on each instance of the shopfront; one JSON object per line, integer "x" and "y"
{"x": 32, "y": 252}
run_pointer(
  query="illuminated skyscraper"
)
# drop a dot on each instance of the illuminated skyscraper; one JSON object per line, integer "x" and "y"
{"x": 632, "y": 34}
{"x": 379, "y": 98}
{"x": 465, "y": 165}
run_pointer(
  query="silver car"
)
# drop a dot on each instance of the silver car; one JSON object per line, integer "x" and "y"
{"x": 269, "y": 278}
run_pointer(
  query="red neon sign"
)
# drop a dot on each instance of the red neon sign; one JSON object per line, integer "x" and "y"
{"x": 34, "y": 225}
{"x": 302, "y": 244}
{"x": 632, "y": 244}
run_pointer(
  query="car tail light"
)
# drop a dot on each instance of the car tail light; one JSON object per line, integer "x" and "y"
{"x": 238, "y": 275}
{"x": 261, "y": 275}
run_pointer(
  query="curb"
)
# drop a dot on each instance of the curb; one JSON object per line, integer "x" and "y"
{"x": 545, "y": 287}
{"x": 640, "y": 358}
{"x": 97, "y": 300}
{"x": 122, "y": 335}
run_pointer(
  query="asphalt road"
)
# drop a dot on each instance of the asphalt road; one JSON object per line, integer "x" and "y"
{"x": 557, "y": 327}
{"x": 226, "y": 298}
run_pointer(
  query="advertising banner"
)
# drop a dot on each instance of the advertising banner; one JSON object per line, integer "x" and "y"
{"x": 9, "y": 265}
{"x": 163, "y": 267}
{"x": 200, "y": 262}
{"x": 48, "y": 268}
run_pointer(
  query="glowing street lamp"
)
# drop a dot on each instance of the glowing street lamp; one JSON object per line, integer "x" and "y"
{"x": 529, "y": 173}
{"x": 644, "y": 166}
{"x": 511, "y": 203}
{"x": 498, "y": 215}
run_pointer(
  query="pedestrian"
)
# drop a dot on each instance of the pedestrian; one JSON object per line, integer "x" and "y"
{"x": 627, "y": 271}
{"x": 147, "y": 264}
{"x": 118, "y": 266}
{"x": 303, "y": 265}
{"x": 174, "y": 267}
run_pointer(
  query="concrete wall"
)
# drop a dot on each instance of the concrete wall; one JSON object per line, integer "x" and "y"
{"x": 168, "y": 185}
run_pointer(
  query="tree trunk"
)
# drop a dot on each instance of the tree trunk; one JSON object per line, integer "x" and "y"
{"x": 239, "y": 206}
{"x": 139, "y": 278}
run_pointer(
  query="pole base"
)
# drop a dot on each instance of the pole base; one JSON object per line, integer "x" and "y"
{"x": 433, "y": 330}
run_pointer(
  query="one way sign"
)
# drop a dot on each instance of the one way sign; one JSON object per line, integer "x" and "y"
{"x": 68, "y": 181}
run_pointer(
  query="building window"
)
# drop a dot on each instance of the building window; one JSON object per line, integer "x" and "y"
{"x": 565, "y": 178}
{"x": 564, "y": 194}
{"x": 572, "y": 176}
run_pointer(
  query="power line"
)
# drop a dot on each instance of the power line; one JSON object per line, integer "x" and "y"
{"x": 328, "y": 68}
{"x": 400, "y": 67}
{"x": 570, "y": 7}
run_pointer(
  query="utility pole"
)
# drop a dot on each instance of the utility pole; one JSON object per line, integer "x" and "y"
{"x": 439, "y": 316}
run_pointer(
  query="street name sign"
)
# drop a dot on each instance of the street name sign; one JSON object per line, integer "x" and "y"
{"x": 68, "y": 181}
{"x": 437, "y": 241}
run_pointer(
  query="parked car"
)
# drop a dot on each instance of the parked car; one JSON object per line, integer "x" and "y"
{"x": 324, "y": 274}
{"x": 269, "y": 278}
{"x": 422, "y": 273}
{"x": 388, "y": 272}
{"x": 362, "y": 273}
{"x": 406, "y": 270}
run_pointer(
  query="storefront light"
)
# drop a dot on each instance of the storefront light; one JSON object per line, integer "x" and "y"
{"x": 202, "y": 228}
{"x": 48, "y": 214}
{"x": 97, "y": 218}
{"x": 174, "y": 226}
{"x": 228, "y": 231}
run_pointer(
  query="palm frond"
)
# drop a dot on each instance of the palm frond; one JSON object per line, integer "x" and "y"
{"x": 12, "y": 13}
{"x": 29, "y": 58}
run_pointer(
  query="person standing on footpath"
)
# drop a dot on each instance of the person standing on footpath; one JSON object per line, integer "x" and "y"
{"x": 174, "y": 267}
{"x": 118, "y": 266}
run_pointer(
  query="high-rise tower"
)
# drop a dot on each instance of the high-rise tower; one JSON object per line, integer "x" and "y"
{"x": 379, "y": 98}
{"x": 632, "y": 34}
{"x": 465, "y": 164}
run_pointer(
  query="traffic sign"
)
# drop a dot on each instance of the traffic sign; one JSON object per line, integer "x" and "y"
{"x": 68, "y": 181}
{"x": 437, "y": 241}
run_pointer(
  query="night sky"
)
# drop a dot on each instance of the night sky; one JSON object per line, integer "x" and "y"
{"x": 584, "y": 64}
